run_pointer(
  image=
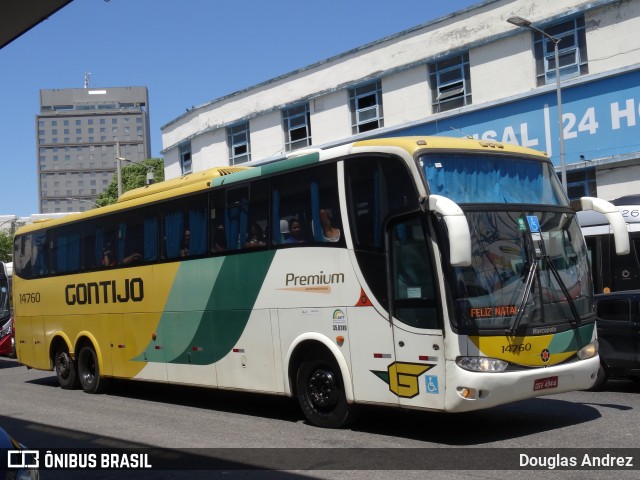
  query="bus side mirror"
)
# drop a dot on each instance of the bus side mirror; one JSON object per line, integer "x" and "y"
{"x": 614, "y": 217}
{"x": 459, "y": 236}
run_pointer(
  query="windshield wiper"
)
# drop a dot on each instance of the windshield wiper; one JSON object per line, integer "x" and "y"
{"x": 515, "y": 323}
{"x": 563, "y": 287}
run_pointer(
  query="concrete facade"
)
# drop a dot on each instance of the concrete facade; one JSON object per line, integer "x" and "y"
{"x": 79, "y": 131}
{"x": 600, "y": 110}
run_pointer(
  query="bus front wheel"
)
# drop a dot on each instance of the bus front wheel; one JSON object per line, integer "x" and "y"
{"x": 321, "y": 395}
{"x": 66, "y": 370}
{"x": 89, "y": 371}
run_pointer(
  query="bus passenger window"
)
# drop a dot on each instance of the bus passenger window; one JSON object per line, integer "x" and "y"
{"x": 305, "y": 208}
{"x": 137, "y": 237}
{"x": 184, "y": 228}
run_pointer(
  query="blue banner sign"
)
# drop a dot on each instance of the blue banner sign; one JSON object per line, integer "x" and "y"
{"x": 600, "y": 119}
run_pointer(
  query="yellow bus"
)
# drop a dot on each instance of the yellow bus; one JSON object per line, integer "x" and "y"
{"x": 422, "y": 273}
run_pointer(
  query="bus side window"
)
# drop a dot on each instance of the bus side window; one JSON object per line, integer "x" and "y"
{"x": 256, "y": 236}
{"x": 216, "y": 222}
{"x": 23, "y": 255}
{"x": 376, "y": 187}
{"x": 39, "y": 254}
{"x": 137, "y": 237}
{"x": 64, "y": 244}
{"x": 184, "y": 228}
{"x": 236, "y": 217}
{"x": 300, "y": 203}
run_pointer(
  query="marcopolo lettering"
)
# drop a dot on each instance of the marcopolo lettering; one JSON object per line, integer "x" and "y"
{"x": 107, "y": 291}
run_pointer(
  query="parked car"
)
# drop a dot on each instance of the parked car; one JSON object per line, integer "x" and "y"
{"x": 7, "y": 336}
{"x": 618, "y": 323}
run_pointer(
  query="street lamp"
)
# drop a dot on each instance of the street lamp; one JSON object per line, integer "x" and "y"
{"x": 523, "y": 22}
{"x": 119, "y": 161}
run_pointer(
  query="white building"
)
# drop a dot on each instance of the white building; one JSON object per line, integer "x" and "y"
{"x": 469, "y": 73}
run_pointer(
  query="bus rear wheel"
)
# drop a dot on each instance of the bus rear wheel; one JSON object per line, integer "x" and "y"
{"x": 89, "y": 371}
{"x": 66, "y": 370}
{"x": 321, "y": 395}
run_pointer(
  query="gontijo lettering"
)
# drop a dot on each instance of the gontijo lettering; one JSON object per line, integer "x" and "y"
{"x": 108, "y": 291}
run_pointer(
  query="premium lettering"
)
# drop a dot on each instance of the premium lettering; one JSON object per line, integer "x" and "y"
{"x": 107, "y": 291}
{"x": 320, "y": 279}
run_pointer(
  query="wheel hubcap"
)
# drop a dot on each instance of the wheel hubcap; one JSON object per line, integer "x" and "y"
{"x": 323, "y": 389}
{"x": 64, "y": 364}
{"x": 89, "y": 370}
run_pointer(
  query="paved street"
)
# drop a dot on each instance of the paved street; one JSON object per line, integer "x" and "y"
{"x": 143, "y": 416}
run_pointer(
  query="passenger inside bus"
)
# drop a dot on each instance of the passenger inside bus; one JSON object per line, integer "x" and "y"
{"x": 329, "y": 232}
{"x": 255, "y": 238}
{"x": 108, "y": 256}
{"x": 184, "y": 250}
{"x": 296, "y": 234}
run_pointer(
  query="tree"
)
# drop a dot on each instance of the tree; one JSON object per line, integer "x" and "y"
{"x": 6, "y": 241}
{"x": 133, "y": 176}
{"x": 6, "y": 245}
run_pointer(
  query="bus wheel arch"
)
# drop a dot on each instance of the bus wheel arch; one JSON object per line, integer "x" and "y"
{"x": 63, "y": 363}
{"x": 601, "y": 378}
{"x": 89, "y": 367}
{"x": 318, "y": 382}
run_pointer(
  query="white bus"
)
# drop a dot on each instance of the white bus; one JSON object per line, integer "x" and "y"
{"x": 421, "y": 273}
{"x": 611, "y": 272}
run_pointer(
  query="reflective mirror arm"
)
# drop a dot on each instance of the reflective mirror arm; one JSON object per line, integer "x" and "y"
{"x": 457, "y": 226}
{"x": 615, "y": 219}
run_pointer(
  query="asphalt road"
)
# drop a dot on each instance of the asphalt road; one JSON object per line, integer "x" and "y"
{"x": 188, "y": 426}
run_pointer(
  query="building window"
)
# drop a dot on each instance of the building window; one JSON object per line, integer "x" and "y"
{"x": 581, "y": 183}
{"x": 365, "y": 103}
{"x": 297, "y": 127}
{"x": 450, "y": 83}
{"x": 572, "y": 51}
{"x": 239, "y": 144}
{"x": 185, "y": 157}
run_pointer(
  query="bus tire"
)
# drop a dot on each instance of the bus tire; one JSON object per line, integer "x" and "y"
{"x": 66, "y": 369}
{"x": 89, "y": 371}
{"x": 321, "y": 395}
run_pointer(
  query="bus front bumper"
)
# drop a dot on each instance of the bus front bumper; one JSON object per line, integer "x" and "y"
{"x": 467, "y": 391}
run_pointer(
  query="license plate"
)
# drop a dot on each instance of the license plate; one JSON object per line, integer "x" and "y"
{"x": 544, "y": 383}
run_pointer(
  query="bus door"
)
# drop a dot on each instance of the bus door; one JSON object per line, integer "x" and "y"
{"x": 417, "y": 374}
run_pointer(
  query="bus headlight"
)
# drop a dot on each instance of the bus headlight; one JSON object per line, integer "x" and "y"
{"x": 589, "y": 351}
{"x": 482, "y": 364}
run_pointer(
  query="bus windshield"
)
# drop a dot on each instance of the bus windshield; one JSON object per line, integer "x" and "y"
{"x": 529, "y": 264}
{"x": 528, "y": 271}
{"x": 492, "y": 179}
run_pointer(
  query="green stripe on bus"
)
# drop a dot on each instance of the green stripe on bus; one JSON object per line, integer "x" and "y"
{"x": 208, "y": 308}
{"x": 572, "y": 340}
{"x": 275, "y": 167}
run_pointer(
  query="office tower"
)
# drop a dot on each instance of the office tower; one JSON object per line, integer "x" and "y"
{"x": 80, "y": 133}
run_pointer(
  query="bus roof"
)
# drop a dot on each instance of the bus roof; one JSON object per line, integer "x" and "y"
{"x": 217, "y": 176}
{"x": 414, "y": 144}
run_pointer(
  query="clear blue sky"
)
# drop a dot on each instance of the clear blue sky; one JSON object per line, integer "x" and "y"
{"x": 186, "y": 52}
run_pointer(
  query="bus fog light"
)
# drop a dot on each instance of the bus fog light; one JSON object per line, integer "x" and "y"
{"x": 589, "y": 351}
{"x": 482, "y": 364}
{"x": 467, "y": 393}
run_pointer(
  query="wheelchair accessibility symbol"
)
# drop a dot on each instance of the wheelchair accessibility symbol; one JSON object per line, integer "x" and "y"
{"x": 432, "y": 384}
